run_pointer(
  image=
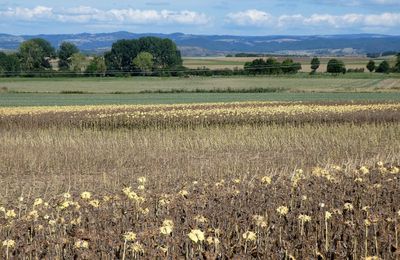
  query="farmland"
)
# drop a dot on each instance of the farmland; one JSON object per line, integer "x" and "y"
{"x": 282, "y": 167}
{"x": 148, "y": 90}
{"x": 287, "y": 180}
{"x": 232, "y": 62}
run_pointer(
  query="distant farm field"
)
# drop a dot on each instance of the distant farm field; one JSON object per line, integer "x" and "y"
{"x": 96, "y": 91}
{"x": 296, "y": 83}
{"x": 42, "y": 99}
{"x": 233, "y": 62}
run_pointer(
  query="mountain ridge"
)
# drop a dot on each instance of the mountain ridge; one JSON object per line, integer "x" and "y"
{"x": 211, "y": 45}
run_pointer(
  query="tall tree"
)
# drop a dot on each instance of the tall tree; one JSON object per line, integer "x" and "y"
{"x": 9, "y": 64}
{"x": 336, "y": 66}
{"x": 383, "y": 67}
{"x": 164, "y": 51}
{"x": 35, "y": 54}
{"x": 144, "y": 62}
{"x": 371, "y": 66}
{"x": 97, "y": 67}
{"x": 65, "y": 53}
{"x": 46, "y": 47}
{"x": 397, "y": 66}
{"x": 78, "y": 63}
{"x": 288, "y": 66}
{"x": 315, "y": 63}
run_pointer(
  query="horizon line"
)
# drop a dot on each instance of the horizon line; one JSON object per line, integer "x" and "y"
{"x": 234, "y": 35}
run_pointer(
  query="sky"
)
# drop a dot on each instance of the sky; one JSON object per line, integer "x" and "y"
{"x": 233, "y": 17}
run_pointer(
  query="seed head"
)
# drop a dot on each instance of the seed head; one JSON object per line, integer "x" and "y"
{"x": 249, "y": 236}
{"x": 196, "y": 235}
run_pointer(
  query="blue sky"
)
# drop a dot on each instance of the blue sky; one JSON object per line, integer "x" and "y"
{"x": 237, "y": 17}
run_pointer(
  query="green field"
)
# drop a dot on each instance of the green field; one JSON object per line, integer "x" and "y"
{"x": 301, "y": 87}
{"x": 296, "y": 83}
{"x": 42, "y": 99}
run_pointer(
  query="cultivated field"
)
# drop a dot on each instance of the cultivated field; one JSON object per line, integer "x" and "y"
{"x": 201, "y": 181}
{"x": 140, "y": 90}
{"x": 233, "y": 62}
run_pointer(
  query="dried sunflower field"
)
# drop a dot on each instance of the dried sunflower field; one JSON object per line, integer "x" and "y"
{"x": 207, "y": 181}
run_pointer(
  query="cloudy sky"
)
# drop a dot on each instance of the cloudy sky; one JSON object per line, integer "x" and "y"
{"x": 238, "y": 17}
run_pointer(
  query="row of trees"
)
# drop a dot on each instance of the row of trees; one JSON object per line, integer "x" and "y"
{"x": 36, "y": 56}
{"x": 143, "y": 55}
{"x": 271, "y": 66}
{"x": 337, "y": 66}
{"x": 384, "y": 66}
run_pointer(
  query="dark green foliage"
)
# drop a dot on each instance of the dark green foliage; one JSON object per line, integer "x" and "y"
{"x": 65, "y": 53}
{"x": 97, "y": 67}
{"x": 46, "y": 47}
{"x": 384, "y": 67}
{"x": 35, "y": 55}
{"x": 315, "y": 63}
{"x": 290, "y": 67}
{"x": 271, "y": 66}
{"x": 371, "y": 66}
{"x": 397, "y": 66}
{"x": 336, "y": 66}
{"x": 9, "y": 64}
{"x": 164, "y": 51}
{"x": 241, "y": 55}
{"x": 356, "y": 70}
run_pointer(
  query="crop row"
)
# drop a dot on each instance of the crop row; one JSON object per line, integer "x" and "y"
{"x": 139, "y": 116}
{"x": 333, "y": 212}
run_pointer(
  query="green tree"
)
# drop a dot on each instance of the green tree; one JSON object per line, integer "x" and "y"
{"x": 257, "y": 66}
{"x": 46, "y": 47}
{"x": 383, "y": 67}
{"x": 144, "y": 62}
{"x": 97, "y": 67}
{"x": 35, "y": 55}
{"x": 315, "y": 63}
{"x": 165, "y": 53}
{"x": 78, "y": 63}
{"x": 371, "y": 66}
{"x": 9, "y": 64}
{"x": 290, "y": 67}
{"x": 65, "y": 53}
{"x": 397, "y": 66}
{"x": 272, "y": 66}
{"x": 336, "y": 66}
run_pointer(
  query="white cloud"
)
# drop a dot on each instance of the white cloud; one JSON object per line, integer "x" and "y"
{"x": 28, "y": 14}
{"x": 263, "y": 19}
{"x": 251, "y": 17}
{"x": 86, "y": 14}
{"x": 386, "y": 2}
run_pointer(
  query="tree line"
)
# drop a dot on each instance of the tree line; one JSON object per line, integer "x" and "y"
{"x": 337, "y": 66}
{"x": 147, "y": 56}
{"x": 138, "y": 56}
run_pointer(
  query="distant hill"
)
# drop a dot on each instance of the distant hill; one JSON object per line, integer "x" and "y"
{"x": 211, "y": 45}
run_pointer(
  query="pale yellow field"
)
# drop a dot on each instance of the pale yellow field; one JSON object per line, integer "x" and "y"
{"x": 238, "y": 62}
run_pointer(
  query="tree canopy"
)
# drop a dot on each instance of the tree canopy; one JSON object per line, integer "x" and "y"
{"x": 383, "y": 67}
{"x": 35, "y": 54}
{"x": 371, "y": 66}
{"x": 143, "y": 62}
{"x": 336, "y": 66}
{"x": 271, "y": 66}
{"x": 97, "y": 67}
{"x": 65, "y": 53}
{"x": 397, "y": 66}
{"x": 164, "y": 51}
{"x": 315, "y": 63}
{"x": 9, "y": 64}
